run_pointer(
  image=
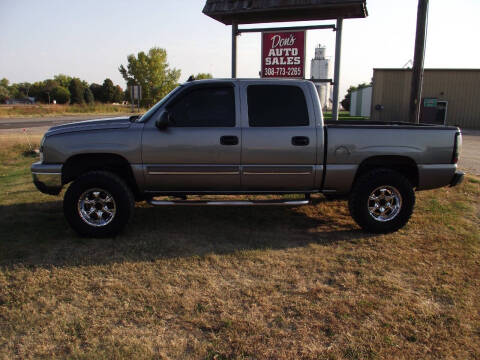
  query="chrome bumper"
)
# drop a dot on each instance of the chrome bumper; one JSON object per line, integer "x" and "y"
{"x": 47, "y": 177}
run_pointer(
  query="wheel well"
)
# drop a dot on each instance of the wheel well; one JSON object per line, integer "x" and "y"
{"x": 80, "y": 164}
{"x": 401, "y": 164}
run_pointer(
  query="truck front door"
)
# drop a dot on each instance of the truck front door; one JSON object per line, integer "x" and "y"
{"x": 200, "y": 150}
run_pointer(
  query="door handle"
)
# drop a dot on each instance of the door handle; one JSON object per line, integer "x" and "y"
{"x": 229, "y": 140}
{"x": 300, "y": 141}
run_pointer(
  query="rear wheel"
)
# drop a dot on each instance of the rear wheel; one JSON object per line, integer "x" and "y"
{"x": 382, "y": 201}
{"x": 98, "y": 204}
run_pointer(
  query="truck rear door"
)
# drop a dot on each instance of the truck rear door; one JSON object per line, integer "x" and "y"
{"x": 279, "y": 137}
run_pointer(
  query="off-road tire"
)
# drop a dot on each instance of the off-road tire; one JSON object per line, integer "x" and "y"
{"x": 118, "y": 189}
{"x": 363, "y": 188}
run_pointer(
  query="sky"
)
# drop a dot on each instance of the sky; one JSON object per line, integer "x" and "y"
{"x": 89, "y": 39}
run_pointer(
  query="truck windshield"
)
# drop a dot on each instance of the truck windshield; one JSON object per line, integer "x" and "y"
{"x": 154, "y": 108}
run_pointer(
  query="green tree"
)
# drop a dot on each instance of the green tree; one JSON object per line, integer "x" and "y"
{"x": 4, "y": 94}
{"x": 201, "y": 76}
{"x": 20, "y": 90}
{"x": 96, "y": 91}
{"x": 88, "y": 96}
{"x": 152, "y": 72}
{"x": 4, "y": 82}
{"x": 118, "y": 94}
{"x": 76, "y": 91}
{"x": 108, "y": 91}
{"x": 60, "y": 94}
{"x": 63, "y": 80}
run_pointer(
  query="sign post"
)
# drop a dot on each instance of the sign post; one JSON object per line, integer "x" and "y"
{"x": 283, "y": 54}
{"x": 135, "y": 94}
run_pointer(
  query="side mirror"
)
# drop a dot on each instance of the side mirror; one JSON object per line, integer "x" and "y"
{"x": 164, "y": 121}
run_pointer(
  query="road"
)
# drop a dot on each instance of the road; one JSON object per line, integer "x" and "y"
{"x": 469, "y": 159}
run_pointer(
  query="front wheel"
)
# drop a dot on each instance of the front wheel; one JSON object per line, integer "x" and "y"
{"x": 98, "y": 204}
{"x": 382, "y": 201}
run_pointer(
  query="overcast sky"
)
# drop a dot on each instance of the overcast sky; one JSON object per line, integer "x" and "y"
{"x": 91, "y": 38}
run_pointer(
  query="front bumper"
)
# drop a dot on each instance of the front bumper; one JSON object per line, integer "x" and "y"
{"x": 47, "y": 177}
{"x": 457, "y": 178}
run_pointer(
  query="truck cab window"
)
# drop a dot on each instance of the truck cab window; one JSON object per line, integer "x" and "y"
{"x": 275, "y": 106}
{"x": 207, "y": 107}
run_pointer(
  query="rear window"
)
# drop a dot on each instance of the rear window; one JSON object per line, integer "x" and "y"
{"x": 276, "y": 105}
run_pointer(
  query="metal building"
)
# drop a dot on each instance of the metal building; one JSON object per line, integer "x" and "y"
{"x": 361, "y": 102}
{"x": 320, "y": 69}
{"x": 449, "y": 96}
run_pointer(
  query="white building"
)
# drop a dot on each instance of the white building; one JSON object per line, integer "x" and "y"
{"x": 320, "y": 70}
{"x": 361, "y": 102}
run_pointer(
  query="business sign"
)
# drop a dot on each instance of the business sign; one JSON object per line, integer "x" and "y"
{"x": 431, "y": 103}
{"x": 136, "y": 92}
{"x": 283, "y": 54}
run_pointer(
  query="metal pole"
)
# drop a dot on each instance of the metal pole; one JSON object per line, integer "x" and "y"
{"x": 418, "y": 62}
{"x": 234, "y": 49}
{"x": 132, "y": 100}
{"x": 338, "y": 56}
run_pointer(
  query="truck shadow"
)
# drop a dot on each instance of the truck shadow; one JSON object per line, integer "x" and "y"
{"x": 37, "y": 233}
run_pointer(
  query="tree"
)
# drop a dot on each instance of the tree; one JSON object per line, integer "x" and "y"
{"x": 108, "y": 91}
{"x": 4, "y": 82}
{"x": 63, "y": 80}
{"x": 348, "y": 98}
{"x": 201, "y": 76}
{"x": 60, "y": 94}
{"x": 4, "y": 94}
{"x": 20, "y": 90}
{"x": 118, "y": 94}
{"x": 76, "y": 91}
{"x": 152, "y": 72}
{"x": 96, "y": 91}
{"x": 88, "y": 96}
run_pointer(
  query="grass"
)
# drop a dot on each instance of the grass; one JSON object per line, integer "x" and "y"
{"x": 42, "y": 110}
{"x": 343, "y": 115}
{"x": 238, "y": 283}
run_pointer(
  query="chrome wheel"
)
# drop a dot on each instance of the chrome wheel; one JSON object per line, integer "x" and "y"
{"x": 384, "y": 203}
{"x": 96, "y": 207}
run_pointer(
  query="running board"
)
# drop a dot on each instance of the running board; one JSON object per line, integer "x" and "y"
{"x": 229, "y": 203}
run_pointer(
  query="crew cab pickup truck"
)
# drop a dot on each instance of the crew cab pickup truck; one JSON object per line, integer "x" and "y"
{"x": 241, "y": 136}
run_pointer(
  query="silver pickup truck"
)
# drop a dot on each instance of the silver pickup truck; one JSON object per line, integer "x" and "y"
{"x": 236, "y": 136}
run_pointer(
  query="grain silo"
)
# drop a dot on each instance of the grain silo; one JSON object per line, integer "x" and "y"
{"x": 320, "y": 70}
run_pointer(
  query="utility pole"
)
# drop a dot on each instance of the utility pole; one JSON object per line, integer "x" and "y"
{"x": 418, "y": 62}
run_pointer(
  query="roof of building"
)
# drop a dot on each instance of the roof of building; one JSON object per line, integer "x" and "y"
{"x": 438, "y": 69}
{"x": 266, "y": 11}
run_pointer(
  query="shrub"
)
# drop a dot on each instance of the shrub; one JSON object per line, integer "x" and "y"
{"x": 76, "y": 91}
{"x": 61, "y": 95}
{"x": 88, "y": 96}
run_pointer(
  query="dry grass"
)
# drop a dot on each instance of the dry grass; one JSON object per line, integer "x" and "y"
{"x": 238, "y": 283}
{"x": 41, "y": 110}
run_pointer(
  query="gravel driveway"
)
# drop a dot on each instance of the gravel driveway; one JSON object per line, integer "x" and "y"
{"x": 470, "y": 156}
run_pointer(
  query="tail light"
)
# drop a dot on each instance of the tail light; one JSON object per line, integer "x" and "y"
{"x": 457, "y": 145}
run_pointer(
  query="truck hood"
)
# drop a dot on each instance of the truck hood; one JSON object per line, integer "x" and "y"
{"x": 91, "y": 125}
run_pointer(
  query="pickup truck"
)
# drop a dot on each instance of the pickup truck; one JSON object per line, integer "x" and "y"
{"x": 242, "y": 136}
